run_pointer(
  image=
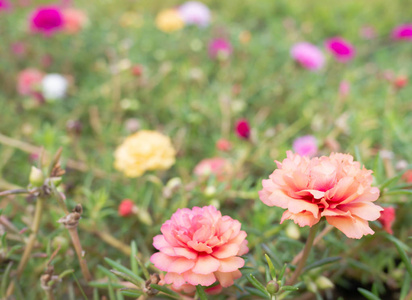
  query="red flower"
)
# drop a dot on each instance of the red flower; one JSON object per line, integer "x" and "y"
{"x": 243, "y": 129}
{"x": 126, "y": 207}
{"x": 387, "y": 218}
{"x": 400, "y": 82}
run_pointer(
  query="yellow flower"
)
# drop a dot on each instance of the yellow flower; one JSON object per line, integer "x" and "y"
{"x": 143, "y": 151}
{"x": 169, "y": 20}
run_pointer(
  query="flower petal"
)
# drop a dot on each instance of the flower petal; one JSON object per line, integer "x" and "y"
{"x": 352, "y": 227}
{"x": 206, "y": 264}
{"x": 181, "y": 265}
{"x": 227, "y": 250}
{"x": 231, "y": 264}
{"x": 226, "y": 279}
{"x": 161, "y": 261}
{"x": 201, "y": 279}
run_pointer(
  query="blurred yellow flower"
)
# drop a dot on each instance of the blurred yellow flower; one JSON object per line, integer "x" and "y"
{"x": 245, "y": 37}
{"x": 169, "y": 20}
{"x": 143, "y": 151}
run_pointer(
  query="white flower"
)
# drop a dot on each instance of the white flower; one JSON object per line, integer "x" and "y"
{"x": 195, "y": 13}
{"x": 54, "y": 86}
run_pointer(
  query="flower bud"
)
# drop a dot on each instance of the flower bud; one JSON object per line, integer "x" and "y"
{"x": 36, "y": 177}
{"x": 62, "y": 242}
{"x": 56, "y": 181}
{"x": 272, "y": 287}
{"x": 292, "y": 231}
{"x": 210, "y": 191}
{"x": 311, "y": 286}
{"x": 144, "y": 217}
{"x": 126, "y": 207}
{"x": 324, "y": 283}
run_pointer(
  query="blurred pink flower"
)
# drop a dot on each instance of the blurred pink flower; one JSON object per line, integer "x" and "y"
{"x": 74, "y": 20}
{"x": 305, "y": 145}
{"x": 200, "y": 246}
{"x": 334, "y": 187}
{"x": 223, "y": 145}
{"x": 243, "y": 128}
{"x": 18, "y": 49}
{"x": 126, "y": 208}
{"x": 195, "y": 13}
{"x": 341, "y": 49}
{"x": 367, "y": 32}
{"x": 28, "y": 81}
{"x": 5, "y": 5}
{"x": 308, "y": 55}
{"x": 344, "y": 88}
{"x": 218, "y": 166}
{"x": 220, "y": 49}
{"x": 387, "y": 218}
{"x": 47, "y": 20}
{"x": 402, "y": 32}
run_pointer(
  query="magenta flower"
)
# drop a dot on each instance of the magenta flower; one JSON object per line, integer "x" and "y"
{"x": 195, "y": 13}
{"x": 308, "y": 55}
{"x": 402, "y": 32}
{"x": 5, "y": 5}
{"x": 200, "y": 246}
{"x": 220, "y": 49}
{"x": 305, "y": 145}
{"x": 243, "y": 129}
{"x": 47, "y": 20}
{"x": 341, "y": 49}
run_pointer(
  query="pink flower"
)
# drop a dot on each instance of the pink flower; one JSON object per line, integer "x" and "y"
{"x": 220, "y": 49}
{"x": 308, "y": 55}
{"x": 243, "y": 128}
{"x": 367, "y": 32}
{"x": 402, "y": 32}
{"x": 223, "y": 145}
{"x": 47, "y": 19}
{"x": 218, "y": 166}
{"x": 341, "y": 49}
{"x": 5, "y": 5}
{"x": 344, "y": 88}
{"x": 387, "y": 219}
{"x": 200, "y": 246}
{"x": 28, "y": 81}
{"x": 305, "y": 145}
{"x": 74, "y": 20}
{"x": 334, "y": 187}
{"x": 126, "y": 208}
{"x": 195, "y": 13}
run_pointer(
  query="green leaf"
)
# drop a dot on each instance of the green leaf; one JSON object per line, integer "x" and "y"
{"x": 405, "y": 286}
{"x": 252, "y": 279}
{"x": 256, "y": 292}
{"x": 143, "y": 267}
{"x": 133, "y": 262}
{"x": 165, "y": 290}
{"x": 104, "y": 285}
{"x": 126, "y": 277}
{"x": 389, "y": 182}
{"x": 289, "y": 288}
{"x": 399, "y": 246}
{"x": 201, "y": 292}
{"x": 135, "y": 293}
{"x": 106, "y": 272}
{"x": 124, "y": 270}
{"x": 321, "y": 262}
{"x": 282, "y": 272}
{"x": 4, "y": 280}
{"x": 271, "y": 267}
{"x": 368, "y": 295}
{"x": 398, "y": 192}
{"x": 112, "y": 296}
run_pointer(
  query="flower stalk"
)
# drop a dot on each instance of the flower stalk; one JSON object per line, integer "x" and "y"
{"x": 308, "y": 246}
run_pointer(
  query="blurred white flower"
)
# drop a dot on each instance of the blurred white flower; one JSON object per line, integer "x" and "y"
{"x": 195, "y": 13}
{"x": 54, "y": 86}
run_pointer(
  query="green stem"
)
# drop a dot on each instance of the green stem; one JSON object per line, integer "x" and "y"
{"x": 306, "y": 251}
{"x": 30, "y": 243}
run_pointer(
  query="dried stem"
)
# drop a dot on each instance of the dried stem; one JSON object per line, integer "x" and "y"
{"x": 306, "y": 251}
{"x": 30, "y": 243}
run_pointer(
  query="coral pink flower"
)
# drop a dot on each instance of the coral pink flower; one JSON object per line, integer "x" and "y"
{"x": 334, "y": 187}
{"x": 126, "y": 208}
{"x": 243, "y": 128}
{"x": 47, "y": 19}
{"x": 74, "y": 20}
{"x": 387, "y": 219}
{"x": 341, "y": 49}
{"x": 220, "y": 48}
{"x": 218, "y": 166}
{"x": 308, "y": 55}
{"x": 407, "y": 176}
{"x": 305, "y": 145}
{"x": 200, "y": 246}
{"x": 402, "y": 32}
{"x": 223, "y": 145}
{"x": 400, "y": 82}
{"x": 28, "y": 81}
